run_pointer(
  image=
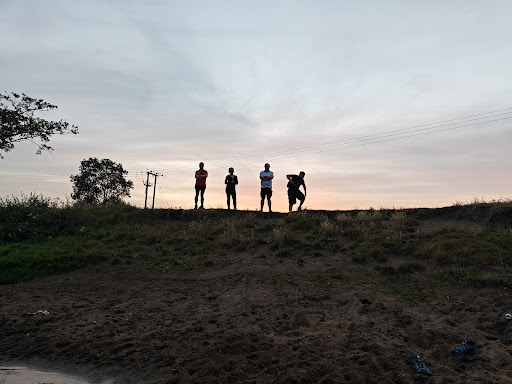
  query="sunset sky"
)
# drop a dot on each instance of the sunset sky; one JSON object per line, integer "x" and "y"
{"x": 381, "y": 103}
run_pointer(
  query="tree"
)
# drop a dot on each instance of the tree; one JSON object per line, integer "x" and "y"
{"x": 100, "y": 182}
{"x": 19, "y": 123}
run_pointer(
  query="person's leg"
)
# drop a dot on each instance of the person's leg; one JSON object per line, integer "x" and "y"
{"x": 197, "y": 194}
{"x": 269, "y": 203}
{"x": 290, "y": 201}
{"x": 228, "y": 199}
{"x": 202, "y": 197}
{"x": 234, "y": 200}
{"x": 262, "y": 199}
{"x": 301, "y": 197}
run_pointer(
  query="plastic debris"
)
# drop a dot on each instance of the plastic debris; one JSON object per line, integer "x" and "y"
{"x": 508, "y": 316}
{"x": 468, "y": 347}
{"x": 420, "y": 366}
{"x": 43, "y": 312}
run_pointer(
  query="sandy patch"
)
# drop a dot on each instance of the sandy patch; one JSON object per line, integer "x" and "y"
{"x": 25, "y": 375}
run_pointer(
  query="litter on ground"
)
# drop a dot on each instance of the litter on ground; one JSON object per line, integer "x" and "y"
{"x": 43, "y": 312}
{"x": 468, "y": 347}
{"x": 420, "y": 366}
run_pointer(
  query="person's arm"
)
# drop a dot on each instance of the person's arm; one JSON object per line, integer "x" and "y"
{"x": 226, "y": 181}
{"x": 304, "y": 185}
{"x": 202, "y": 176}
{"x": 236, "y": 180}
{"x": 290, "y": 178}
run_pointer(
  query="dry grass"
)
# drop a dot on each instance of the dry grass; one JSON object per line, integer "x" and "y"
{"x": 328, "y": 228}
{"x": 282, "y": 237}
{"x": 124, "y": 233}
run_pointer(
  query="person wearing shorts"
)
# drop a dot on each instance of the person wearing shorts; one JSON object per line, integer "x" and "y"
{"x": 201, "y": 175}
{"x": 294, "y": 193}
{"x": 266, "y": 177}
{"x": 231, "y": 181}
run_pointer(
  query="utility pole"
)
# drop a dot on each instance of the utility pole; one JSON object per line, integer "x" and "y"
{"x": 147, "y": 185}
{"x": 154, "y": 188}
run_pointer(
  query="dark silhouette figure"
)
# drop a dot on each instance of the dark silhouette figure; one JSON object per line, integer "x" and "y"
{"x": 266, "y": 177}
{"x": 201, "y": 175}
{"x": 231, "y": 181}
{"x": 294, "y": 183}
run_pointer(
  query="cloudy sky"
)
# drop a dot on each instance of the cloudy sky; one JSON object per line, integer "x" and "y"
{"x": 381, "y": 103}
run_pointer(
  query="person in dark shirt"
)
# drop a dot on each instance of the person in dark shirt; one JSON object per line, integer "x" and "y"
{"x": 231, "y": 181}
{"x": 294, "y": 183}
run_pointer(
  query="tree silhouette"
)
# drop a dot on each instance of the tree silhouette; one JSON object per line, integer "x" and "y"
{"x": 100, "y": 182}
{"x": 19, "y": 123}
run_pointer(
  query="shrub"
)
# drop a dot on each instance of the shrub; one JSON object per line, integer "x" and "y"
{"x": 328, "y": 228}
{"x": 343, "y": 218}
{"x": 282, "y": 237}
{"x": 397, "y": 220}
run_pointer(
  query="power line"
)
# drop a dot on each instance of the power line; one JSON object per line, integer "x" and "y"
{"x": 360, "y": 141}
{"x": 164, "y": 199}
{"x": 417, "y": 134}
{"x": 397, "y": 132}
{"x": 49, "y": 176}
{"x": 424, "y": 129}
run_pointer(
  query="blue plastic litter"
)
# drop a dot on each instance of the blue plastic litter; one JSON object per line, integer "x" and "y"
{"x": 420, "y": 366}
{"x": 468, "y": 347}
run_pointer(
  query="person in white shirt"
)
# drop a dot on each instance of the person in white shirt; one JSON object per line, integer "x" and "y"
{"x": 266, "y": 177}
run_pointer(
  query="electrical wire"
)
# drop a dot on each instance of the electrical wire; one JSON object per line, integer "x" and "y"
{"x": 164, "y": 199}
{"x": 355, "y": 142}
{"x": 49, "y": 176}
{"x": 394, "y": 133}
{"x": 424, "y": 129}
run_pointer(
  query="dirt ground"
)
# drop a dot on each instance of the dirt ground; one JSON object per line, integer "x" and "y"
{"x": 261, "y": 319}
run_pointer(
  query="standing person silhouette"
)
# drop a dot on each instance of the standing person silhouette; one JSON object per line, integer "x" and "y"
{"x": 231, "y": 181}
{"x": 201, "y": 175}
{"x": 294, "y": 183}
{"x": 266, "y": 177}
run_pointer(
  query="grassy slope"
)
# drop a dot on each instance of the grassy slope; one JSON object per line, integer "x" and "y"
{"x": 38, "y": 238}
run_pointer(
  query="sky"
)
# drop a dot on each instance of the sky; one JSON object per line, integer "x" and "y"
{"x": 391, "y": 104}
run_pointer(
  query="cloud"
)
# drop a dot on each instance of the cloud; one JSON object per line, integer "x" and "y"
{"x": 161, "y": 85}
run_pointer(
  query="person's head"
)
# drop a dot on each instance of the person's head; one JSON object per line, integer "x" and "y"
{"x": 231, "y": 170}
{"x": 302, "y": 174}
{"x": 267, "y": 166}
{"x": 201, "y": 165}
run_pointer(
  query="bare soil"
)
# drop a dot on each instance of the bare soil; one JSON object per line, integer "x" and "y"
{"x": 259, "y": 319}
